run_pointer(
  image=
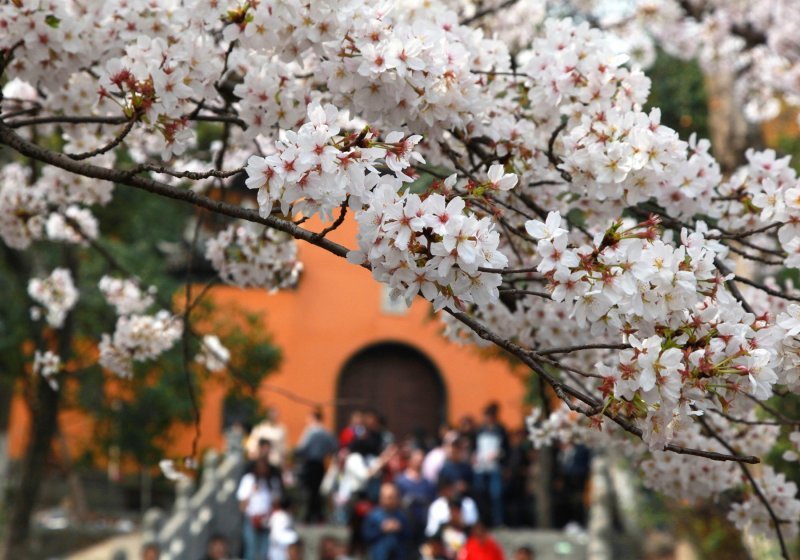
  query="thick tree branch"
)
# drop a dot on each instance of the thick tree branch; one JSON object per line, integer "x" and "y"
{"x": 130, "y": 178}
{"x": 566, "y": 392}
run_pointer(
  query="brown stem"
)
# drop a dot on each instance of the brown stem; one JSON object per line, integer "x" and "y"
{"x": 756, "y": 488}
{"x": 108, "y": 147}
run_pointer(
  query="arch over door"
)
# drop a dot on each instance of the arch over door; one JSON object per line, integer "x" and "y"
{"x": 397, "y": 381}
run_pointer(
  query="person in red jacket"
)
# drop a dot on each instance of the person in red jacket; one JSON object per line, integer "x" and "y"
{"x": 480, "y": 545}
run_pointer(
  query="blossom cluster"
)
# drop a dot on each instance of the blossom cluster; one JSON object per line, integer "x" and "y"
{"x": 562, "y": 425}
{"x": 126, "y": 295}
{"x": 752, "y": 39}
{"x": 325, "y": 105}
{"x": 56, "y": 293}
{"x": 48, "y": 365}
{"x": 764, "y": 192}
{"x": 432, "y": 247}
{"x": 314, "y": 171}
{"x": 780, "y": 494}
{"x": 55, "y": 206}
{"x": 253, "y": 256}
{"x": 213, "y": 355}
{"x": 691, "y": 341}
{"x": 138, "y": 338}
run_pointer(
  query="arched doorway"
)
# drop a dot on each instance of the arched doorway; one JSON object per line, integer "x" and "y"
{"x": 397, "y": 381}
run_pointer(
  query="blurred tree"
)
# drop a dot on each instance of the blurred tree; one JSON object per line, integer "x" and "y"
{"x": 679, "y": 90}
{"x": 157, "y": 398}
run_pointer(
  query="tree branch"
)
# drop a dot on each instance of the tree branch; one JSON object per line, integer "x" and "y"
{"x": 11, "y": 139}
{"x": 754, "y": 484}
{"x": 131, "y": 179}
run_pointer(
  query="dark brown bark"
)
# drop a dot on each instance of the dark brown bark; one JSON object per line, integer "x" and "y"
{"x": 44, "y": 425}
{"x": 731, "y": 134}
{"x": 26, "y": 494}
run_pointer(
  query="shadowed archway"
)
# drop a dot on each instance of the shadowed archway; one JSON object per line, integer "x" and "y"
{"x": 399, "y": 382}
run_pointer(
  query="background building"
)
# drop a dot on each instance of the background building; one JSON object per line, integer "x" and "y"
{"x": 346, "y": 344}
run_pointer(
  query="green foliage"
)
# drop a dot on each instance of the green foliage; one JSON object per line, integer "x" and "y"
{"x": 679, "y": 91}
{"x": 134, "y": 416}
{"x": 790, "y": 145}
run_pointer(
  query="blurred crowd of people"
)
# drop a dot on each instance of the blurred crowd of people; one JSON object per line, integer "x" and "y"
{"x": 430, "y": 498}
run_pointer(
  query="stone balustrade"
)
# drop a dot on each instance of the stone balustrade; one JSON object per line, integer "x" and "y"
{"x": 201, "y": 510}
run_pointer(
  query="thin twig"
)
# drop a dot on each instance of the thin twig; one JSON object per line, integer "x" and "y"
{"x": 335, "y": 225}
{"x": 732, "y": 286}
{"x": 193, "y": 175}
{"x": 108, "y": 147}
{"x": 775, "y": 520}
{"x": 515, "y": 291}
{"x": 568, "y": 349}
{"x": 765, "y": 289}
{"x": 487, "y": 12}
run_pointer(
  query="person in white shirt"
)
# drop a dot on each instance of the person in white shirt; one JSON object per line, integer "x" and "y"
{"x": 255, "y": 500}
{"x": 439, "y": 510}
{"x": 282, "y": 533}
{"x": 272, "y": 430}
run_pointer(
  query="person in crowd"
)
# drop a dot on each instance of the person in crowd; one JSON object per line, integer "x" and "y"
{"x": 435, "y": 458}
{"x": 256, "y": 496}
{"x": 272, "y": 430}
{"x": 282, "y": 534}
{"x": 151, "y": 551}
{"x": 480, "y": 545}
{"x": 455, "y": 531}
{"x": 331, "y": 548}
{"x": 574, "y": 462}
{"x": 316, "y": 445}
{"x": 375, "y": 437}
{"x": 468, "y": 428}
{"x": 491, "y": 449}
{"x": 658, "y": 545}
{"x": 353, "y": 430}
{"x": 296, "y": 550}
{"x": 433, "y": 549}
{"x": 457, "y": 464}
{"x": 263, "y": 451}
{"x": 440, "y": 510}
{"x": 524, "y": 553}
{"x": 416, "y": 494}
{"x": 217, "y": 548}
{"x": 387, "y": 437}
{"x": 519, "y": 497}
{"x": 398, "y": 463}
{"x": 386, "y": 530}
{"x": 360, "y": 474}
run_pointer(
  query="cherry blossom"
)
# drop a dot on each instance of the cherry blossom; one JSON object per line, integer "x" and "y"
{"x": 48, "y": 365}
{"x": 213, "y": 355}
{"x": 56, "y": 293}
{"x": 508, "y": 174}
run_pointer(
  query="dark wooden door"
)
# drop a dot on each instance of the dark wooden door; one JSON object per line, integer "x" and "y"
{"x": 396, "y": 381}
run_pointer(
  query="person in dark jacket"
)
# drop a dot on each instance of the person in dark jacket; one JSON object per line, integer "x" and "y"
{"x": 457, "y": 465}
{"x": 316, "y": 445}
{"x": 386, "y": 529}
{"x": 416, "y": 493}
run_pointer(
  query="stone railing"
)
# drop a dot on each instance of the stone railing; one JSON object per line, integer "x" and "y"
{"x": 614, "y": 529}
{"x": 198, "y": 513}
